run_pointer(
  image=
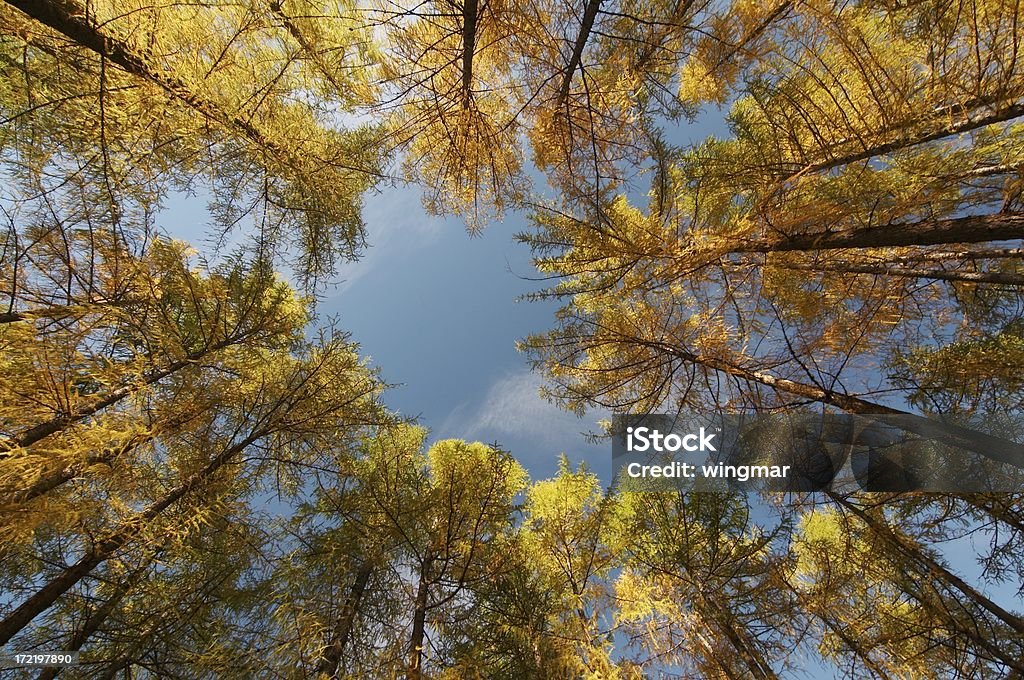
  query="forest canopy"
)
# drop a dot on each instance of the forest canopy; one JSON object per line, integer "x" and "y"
{"x": 200, "y": 475}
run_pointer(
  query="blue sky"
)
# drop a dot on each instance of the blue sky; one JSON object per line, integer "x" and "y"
{"x": 436, "y": 310}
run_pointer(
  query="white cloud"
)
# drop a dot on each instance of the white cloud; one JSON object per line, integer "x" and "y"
{"x": 513, "y": 408}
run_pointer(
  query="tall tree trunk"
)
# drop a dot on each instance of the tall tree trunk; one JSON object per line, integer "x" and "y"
{"x": 469, "y": 18}
{"x": 58, "y": 312}
{"x": 997, "y": 278}
{"x": 12, "y": 317}
{"x": 969, "y": 229}
{"x": 57, "y": 478}
{"x": 331, "y": 657}
{"x": 989, "y": 171}
{"x": 98, "y": 617}
{"x": 99, "y": 552}
{"x": 756, "y": 32}
{"x": 994, "y": 448}
{"x": 747, "y": 651}
{"x": 419, "y": 620}
{"x": 111, "y": 671}
{"x": 971, "y": 121}
{"x": 55, "y": 425}
{"x": 586, "y": 25}
{"x": 948, "y": 255}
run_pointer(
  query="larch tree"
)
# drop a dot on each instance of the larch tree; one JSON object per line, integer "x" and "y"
{"x": 273, "y": 413}
{"x": 571, "y": 535}
{"x": 452, "y": 100}
{"x": 383, "y": 576}
{"x": 695, "y": 591}
{"x": 890, "y": 600}
{"x": 462, "y": 502}
{"x": 784, "y": 264}
{"x": 228, "y": 99}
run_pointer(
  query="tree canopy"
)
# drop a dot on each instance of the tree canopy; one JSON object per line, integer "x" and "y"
{"x": 200, "y": 476}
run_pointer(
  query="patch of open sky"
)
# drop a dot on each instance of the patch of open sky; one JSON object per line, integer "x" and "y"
{"x": 439, "y": 313}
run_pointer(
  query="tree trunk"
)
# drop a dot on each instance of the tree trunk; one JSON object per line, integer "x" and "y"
{"x": 57, "y": 312}
{"x": 947, "y": 255}
{"x": 54, "y": 425}
{"x": 994, "y": 448}
{"x": 755, "y": 33}
{"x": 969, "y": 229}
{"x": 113, "y": 669}
{"x": 752, "y": 658}
{"x": 419, "y": 620}
{"x": 331, "y": 657}
{"x": 469, "y": 17}
{"x": 96, "y": 618}
{"x": 48, "y": 483}
{"x": 56, "y": 478}
{"x": 968, "y": 123}
{"x": 997, "y": 278}
{"x": 989, "y": 171}
{"x": 913, "y": 552}
{"x": 586, "y": 25}
{"x": 12, "y": 317}
{"x": 277, "y": 7}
